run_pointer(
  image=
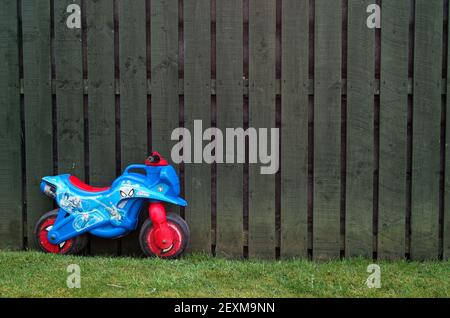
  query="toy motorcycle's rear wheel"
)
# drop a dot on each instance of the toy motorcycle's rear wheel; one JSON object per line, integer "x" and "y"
{"x": 43, "y": 226}
{"x": 180, "y": 236}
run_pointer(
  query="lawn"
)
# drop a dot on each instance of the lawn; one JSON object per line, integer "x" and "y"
{"x": 33, "y": 274}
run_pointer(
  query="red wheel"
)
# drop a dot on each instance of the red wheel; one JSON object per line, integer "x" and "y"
{"x": 44, "y": 225}
{"x": 180, "y": 236}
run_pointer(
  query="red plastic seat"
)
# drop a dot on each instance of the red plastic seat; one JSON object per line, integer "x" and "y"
{"x": 85, "y": 187}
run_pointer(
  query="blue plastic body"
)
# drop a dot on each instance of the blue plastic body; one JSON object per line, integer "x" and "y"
{"x": 114, "y": 212}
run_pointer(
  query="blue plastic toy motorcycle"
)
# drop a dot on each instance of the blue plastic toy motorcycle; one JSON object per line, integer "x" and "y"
{"x": 113, "y": 212}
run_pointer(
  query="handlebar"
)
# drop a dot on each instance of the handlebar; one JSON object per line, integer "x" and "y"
{"x": 135, "y": 167}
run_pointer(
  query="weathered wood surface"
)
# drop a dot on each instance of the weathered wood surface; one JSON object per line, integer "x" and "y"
{"x": 197, "y": 107}
{"x": 360, "y": 132}
{"x": 69, "y": 92}
{"x": 327, "y": 130}
{"x": 294, "y": 129}
{"x": 393, "y": 130}
{"x": 91, "y": 101}
{"x": 426, "y": 130}
{"x": 11, "y": 228}
{"x": 230, "y": 113}
{"x": 37, "y": 108}
{"x": 262, "y": 39}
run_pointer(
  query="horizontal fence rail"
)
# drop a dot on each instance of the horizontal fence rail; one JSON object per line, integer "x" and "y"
{"x": 362, "y": 113}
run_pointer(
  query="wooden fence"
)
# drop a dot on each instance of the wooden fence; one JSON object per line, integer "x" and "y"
{"x": 362, "y": 115}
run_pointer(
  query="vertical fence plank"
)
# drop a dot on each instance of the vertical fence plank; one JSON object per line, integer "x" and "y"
{"x": 229, "y": 114}
{"x": 133, "y": 83}
{"x": 360, "y": 129}
{"x": 101, "y": 106}
{"x": 262, "y": 38}
{"x": 327, "y": 130}
{"x": 164, "y": 39}
{"x": 426, "y": 130}
{"x": 393, "y": 129}
{"x": 164, "y": 57}
{"x": 446, "y": 238}
{"x": 294, "y": 132}
{"x": 10, "y": 130}
{"x": 197, "y": 101}
{"x": 69, "y": 92}
{"x": 133, "y": 94}
{"x": 38, "y": 107}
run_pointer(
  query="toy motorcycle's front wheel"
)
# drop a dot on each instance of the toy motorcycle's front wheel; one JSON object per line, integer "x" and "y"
{"x": 180, "y": 235}
{"x": 44, "y": 225}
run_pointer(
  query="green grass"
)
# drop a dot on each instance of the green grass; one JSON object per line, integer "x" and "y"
{"x": 33, "y": 274}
